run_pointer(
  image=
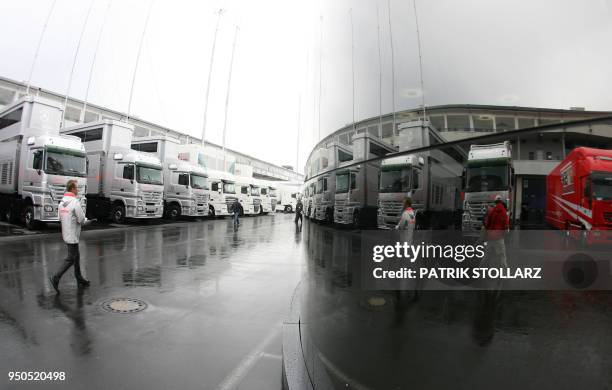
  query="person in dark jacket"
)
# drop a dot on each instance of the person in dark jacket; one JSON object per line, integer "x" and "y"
{"x": 496, "y": 224}
{"x": 237, "y": 210}
{"x": 299, "y": 209}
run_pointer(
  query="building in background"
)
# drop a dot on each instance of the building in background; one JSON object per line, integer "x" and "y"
{"x": 534, "y": 154}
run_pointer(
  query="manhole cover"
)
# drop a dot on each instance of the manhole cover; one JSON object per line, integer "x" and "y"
{"x": 124, "y": 305}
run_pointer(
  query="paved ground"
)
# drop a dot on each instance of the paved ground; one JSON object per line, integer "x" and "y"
{"x": 216, "y": 298}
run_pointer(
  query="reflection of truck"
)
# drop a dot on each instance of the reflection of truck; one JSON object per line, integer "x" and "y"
{"x": 579, "y": 194}
{"x": 356, "y": 197}
{"x": 432, "y": 179}
{"x": 186, "y": 189}
{"x": 121, "y": 183}
{"x": 488, "y": 173}
{"x": 36, "y": 162}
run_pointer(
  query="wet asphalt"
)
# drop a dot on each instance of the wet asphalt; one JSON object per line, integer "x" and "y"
{"x": 215, "y": 297}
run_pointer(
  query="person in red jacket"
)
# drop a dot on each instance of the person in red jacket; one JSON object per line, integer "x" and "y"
{"x": 496, "y": 224}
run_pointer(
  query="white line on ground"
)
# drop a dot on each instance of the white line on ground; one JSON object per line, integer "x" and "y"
{"x": 234, "y": 378}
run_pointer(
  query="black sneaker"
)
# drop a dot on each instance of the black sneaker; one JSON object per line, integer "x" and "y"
{"x": 83, "y": 283}
{"x": 55, "y": 284}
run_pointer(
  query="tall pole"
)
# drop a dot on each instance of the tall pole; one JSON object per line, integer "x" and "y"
{"x": 210, "y": 68}
{"x": 42, "y": 34}
{"x": 297, "y": 150}
{"x": 320, "y": 72}
{"x": 379, "y": 72}
{"x": 418, "y": 33}
{"x": 353, "y": 64}
{"x": 144, "y": 32}
{"x": 227, "y": 96}
{"x": 93, "y": 62}
{"x": 76, "y": 54}
{"x": 392, "y": 64}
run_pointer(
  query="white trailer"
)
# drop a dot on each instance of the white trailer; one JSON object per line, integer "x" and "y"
{"x": 36, "y": 162}
{"x": 489, "y": 173}
{"x": 186, "y": 190}
{"x": 121, "y": 183}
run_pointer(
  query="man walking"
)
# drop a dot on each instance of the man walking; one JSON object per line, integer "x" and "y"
{"x": 299, "y": 208}
{"x": 496, "y": 224}
{"x": 237, "y": 210}
{"x": 71, "y": 217}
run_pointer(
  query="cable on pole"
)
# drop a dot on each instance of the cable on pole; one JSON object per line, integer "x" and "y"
{"x": 40, "y": 39}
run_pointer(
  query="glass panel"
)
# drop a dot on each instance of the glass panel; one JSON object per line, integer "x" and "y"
{"x": 437, "y": 121}
{"x": 524, "y": 123}
{"x": 458, "y": 122}
{"x": 483, "y": 122}
{"x": 503, "y": 123}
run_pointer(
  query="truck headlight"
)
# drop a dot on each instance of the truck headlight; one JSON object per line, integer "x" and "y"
{"x": 48, "y": 208}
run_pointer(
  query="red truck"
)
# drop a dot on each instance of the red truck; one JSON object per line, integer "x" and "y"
{"x": 579, "y": 195}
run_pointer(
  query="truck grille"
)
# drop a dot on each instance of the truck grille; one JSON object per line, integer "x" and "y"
{"x": 151, "y": 197}
{"x": 229, "y": 201}
{"x": 479, "y": 209}
{"x": 608, "y": 216}
{"x": 391, "y": 207}
{"x": 58, "y": 190}
{"x": 256, "y": 202}
{"x": 341, "y": 202}
{"x": 273, "y": 203}
{"x": 202, "y": 198}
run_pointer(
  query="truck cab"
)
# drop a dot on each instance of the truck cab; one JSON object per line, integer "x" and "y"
{"x": 268, "y": 195}
{"x": 257, "y": 198}
{"x": 36, "y": 162}
{"x": 579, "y": 195}
{"x": 186, "y": 190}
{"x": 122, "y": 182}
{"x": 222, "y": 193}
{"x": 400, "y": 178}
{"x": 323, "y": 199}
{"x": 244, "y": 194}
{"x": 489, "y": 173}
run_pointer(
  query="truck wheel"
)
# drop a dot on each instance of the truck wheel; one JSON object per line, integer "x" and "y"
{"x": 118, "y": 213}
{"x": 174, "y": 212}
{"x": 288, "y": 208}
{"x": 28, "y": 217}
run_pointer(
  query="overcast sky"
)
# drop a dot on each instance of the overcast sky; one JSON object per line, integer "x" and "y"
{"x": 547, "y": 53}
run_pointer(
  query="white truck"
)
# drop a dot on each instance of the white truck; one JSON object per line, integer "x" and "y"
{"x": 432, "y": 179}
{"x": 489, "y": 173}
{"x": 186, "y": 190}
{"x": 121, "y": 183}
{"x": 244, "y": 194}
{"x": 268, "y": 194}
{"x": 36, "y": 162}
{"x": 222, "y": 193}
{"x": 356, "y": 197}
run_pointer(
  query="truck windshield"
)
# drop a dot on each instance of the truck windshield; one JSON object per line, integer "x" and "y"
{"x": 602, "y": 185}
{"x": 319, "y": 186}
{"x": 65, "y": 163}
{"x": 487, "y": 178}
{"x": 229, "y": 188}
{"x": 272, "y": 192}
{"x": 200, "y": 182}
{"x": 255, "y": 191}
{"x": 146, "y": 174}
{"x": 264, "y": 191}
{"x": 395, "y": 180}
{"x": 342, "y": 183}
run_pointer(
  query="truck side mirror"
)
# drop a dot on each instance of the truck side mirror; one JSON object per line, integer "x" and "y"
{"x": 131, "y": 181}
{"x": 38, "y": 171}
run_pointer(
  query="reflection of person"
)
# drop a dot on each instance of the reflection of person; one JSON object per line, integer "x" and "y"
{"x": 496, "y": 224}
{"x": 71, "y": 217}
{"x": 237, "y": 210}
{"x": 299, "y": 208}
{"x": 407, "y": 221}
{"x": 81, "y": 342}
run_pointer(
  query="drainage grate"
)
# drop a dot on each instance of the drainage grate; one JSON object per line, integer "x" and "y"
{"x": 124, "y": 305}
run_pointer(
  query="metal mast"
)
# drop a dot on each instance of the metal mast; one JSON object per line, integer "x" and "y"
{"x": 416, "y": 19}
{"x": 144, "y": 31}
{"x": 210, "y": 67}
{"x": 93, "y": 62}
{"x": 392, "y": 63}
{"x": 227, "y": 96}
{"x": 76, "y": 54}
{"x": 42, "y": 34}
